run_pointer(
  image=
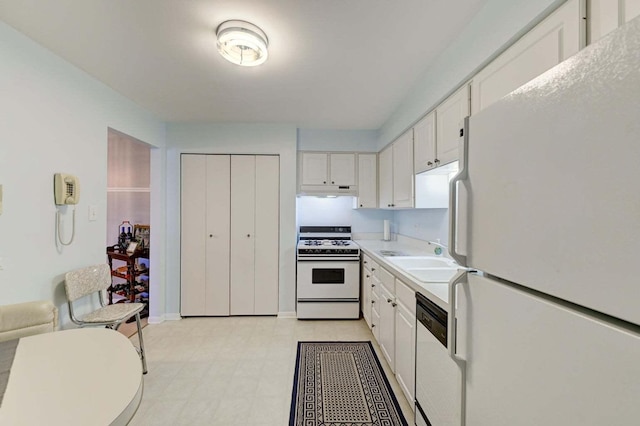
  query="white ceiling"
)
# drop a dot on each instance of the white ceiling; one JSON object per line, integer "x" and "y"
{"x": 333, "y": 64}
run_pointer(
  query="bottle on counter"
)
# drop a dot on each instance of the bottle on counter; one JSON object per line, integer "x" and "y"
{"x": 123, "y": 237}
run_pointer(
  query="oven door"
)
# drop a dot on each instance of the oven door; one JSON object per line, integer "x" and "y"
{"x": 328, "y": 279}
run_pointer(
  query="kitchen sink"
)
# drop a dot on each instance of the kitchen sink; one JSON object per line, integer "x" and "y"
{"x": 433, "y": 275}
{"x": 390, "y": 253}
{"x": 411, "y": 262}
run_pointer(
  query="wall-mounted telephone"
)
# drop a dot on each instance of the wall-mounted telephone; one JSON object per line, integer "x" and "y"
{"x": 66, "y": 189}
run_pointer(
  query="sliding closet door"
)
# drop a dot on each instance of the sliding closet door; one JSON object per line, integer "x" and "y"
{"x": 218, "y": 215}
{"x": 243, "y": 193}
{"x": 267, "y": 234}
{"x": 193, "y": 229}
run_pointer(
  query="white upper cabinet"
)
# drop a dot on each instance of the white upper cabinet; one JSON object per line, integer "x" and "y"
{"x": 424, "y": 143}
{"x": 367, "y": 181}
{"x": 342, "y": 169}
{"x": 403, "y": 170}
{"x": 607, "y": 15}
{"x": 558, "y": 37}
{"x": 315, "y": 168}
{"x": 395, "y": 165}
{"x": 327, "y": 172}
{"x": 449, "y": 118}
{"x": 385, "y": 177}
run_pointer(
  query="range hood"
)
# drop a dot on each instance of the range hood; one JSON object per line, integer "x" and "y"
{"x": 328, "y": 190}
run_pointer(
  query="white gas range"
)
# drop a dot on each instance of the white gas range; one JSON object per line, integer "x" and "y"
{"x": 328, "y": 278}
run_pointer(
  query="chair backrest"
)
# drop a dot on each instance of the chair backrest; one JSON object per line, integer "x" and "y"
{"x": 84, "y": 281}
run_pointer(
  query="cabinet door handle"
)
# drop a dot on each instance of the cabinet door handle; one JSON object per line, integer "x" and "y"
{"x": 210, "y": 235}
{"x": 364, "y": 261}
{"x": 388, "y": 300}
{"x": 394, "y": 304}
{"x": 333, "y": 183}
{"x": 429, "y": 163}
{"x": 373, "y": 325}
{"x": 373, "y": 302}
{"x": 248, "y": 235}
{"x": 436, "y": 160}
{"x": 373, "y": 285}
{"x": 368, "y": 276}
{"x": 324, "y": 181}
{"x": 373, "y": 269}
{"x": 360, "y": 205}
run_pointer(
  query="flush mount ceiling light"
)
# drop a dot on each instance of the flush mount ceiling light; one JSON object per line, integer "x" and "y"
{"x": 242, "y": 43}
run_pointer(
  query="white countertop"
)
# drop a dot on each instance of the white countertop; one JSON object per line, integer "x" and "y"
{"x": 436, "y": 292}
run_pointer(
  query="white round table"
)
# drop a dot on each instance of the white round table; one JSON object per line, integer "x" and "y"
{"x": 87, "y": 376}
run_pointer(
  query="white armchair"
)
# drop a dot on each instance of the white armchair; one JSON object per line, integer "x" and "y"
{"x": 26, "y": 319}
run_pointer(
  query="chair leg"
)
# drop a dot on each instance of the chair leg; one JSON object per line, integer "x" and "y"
{"x": 142, "y": 357}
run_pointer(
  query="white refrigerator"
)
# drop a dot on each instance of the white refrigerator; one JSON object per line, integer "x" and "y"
{"x": 546, "y": 209}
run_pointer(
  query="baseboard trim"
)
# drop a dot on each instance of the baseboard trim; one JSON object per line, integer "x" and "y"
{"x": 172, "y": 317}
{"x": 287, "y": 314}
{"x": 155, "y": 320}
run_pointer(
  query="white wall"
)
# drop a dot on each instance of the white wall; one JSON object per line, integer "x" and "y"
{"x": 337, "y": 140}
{"x": 55, "y": 118}
{"x": 233, "y": 139}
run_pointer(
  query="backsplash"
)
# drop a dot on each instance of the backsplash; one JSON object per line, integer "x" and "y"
{"x": 422, "y": 224}
{"x": 339, "y": 211}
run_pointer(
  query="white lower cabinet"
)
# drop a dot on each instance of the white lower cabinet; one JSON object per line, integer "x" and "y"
{"x": 365, "y": 291}
{"x": 387, "y": 339}
{"x": 375, "y": 315}
{"x": 405, "y": 357}
{"x": 390, "y": 305}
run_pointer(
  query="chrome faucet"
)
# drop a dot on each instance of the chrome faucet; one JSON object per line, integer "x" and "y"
{"x": 439, "y": 247}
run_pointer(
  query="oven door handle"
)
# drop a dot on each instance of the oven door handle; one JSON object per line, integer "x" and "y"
{"x": 329, "y": 259}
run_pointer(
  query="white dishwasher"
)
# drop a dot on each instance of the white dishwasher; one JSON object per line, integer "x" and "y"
{"x": 438, "y": 377}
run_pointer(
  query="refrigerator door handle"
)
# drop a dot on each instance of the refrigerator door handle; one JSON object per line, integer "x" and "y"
{"x": 453, "y": 194}
{"x": 452, "y": 333}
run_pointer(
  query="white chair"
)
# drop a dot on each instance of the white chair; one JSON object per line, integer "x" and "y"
{"x": 26, "y": 319}
{"x": 97, "y": 279}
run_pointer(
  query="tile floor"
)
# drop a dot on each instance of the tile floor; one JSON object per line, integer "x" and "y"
{"x": 233, "y": 370}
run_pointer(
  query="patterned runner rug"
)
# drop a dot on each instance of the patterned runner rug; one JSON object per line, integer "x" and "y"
{"x": 341, "y": 383}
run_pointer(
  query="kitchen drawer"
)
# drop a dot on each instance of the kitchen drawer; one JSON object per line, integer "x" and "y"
{"x": 375, "y": 304}
{"x": 406, "y": 296}
{"x": 375, "y": 286}
{"x": 366, "y": 261}
{"x": 369, "y": 263}
{"x": 387, "y": 279}
{"x": 375, "y": 322}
